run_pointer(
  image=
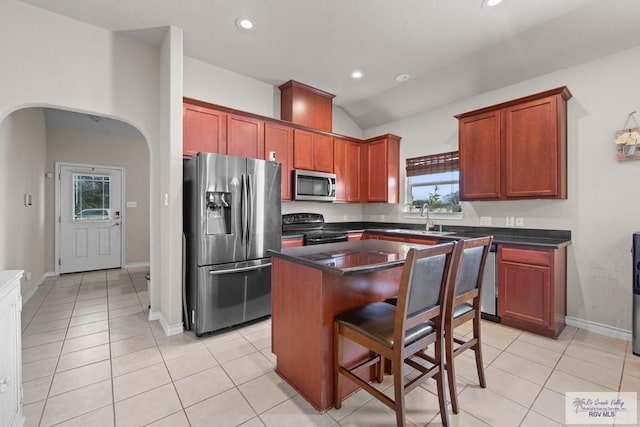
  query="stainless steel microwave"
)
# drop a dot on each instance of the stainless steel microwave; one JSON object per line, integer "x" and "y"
{"x": 311, "y": 185}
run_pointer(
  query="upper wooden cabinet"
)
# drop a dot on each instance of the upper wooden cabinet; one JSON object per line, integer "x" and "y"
{"x": 346, "y": 162}
{"x": 307, "y": 106}
{"x": 279, "y": 140}
{"x": 203, "y": 129}
{"x": 312, "y": 151}
{"x": 381, "y": 168}
{"x": 245, "y": 137}
{"x": 515, "y": 150}
{"x": 367, "y": 171}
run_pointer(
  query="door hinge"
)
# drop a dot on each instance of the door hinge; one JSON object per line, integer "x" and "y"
{"x": 59, "y": 261}
{"x": 60, "y": 219}
{"x": 59, "y": 176}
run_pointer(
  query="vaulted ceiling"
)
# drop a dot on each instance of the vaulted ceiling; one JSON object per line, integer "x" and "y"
{"x": 452, "y": 49}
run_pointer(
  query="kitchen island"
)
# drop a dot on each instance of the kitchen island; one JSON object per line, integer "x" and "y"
{"x": 310, "y": 286}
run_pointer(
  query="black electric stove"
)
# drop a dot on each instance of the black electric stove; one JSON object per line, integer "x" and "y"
{"x": 311, "y": 225}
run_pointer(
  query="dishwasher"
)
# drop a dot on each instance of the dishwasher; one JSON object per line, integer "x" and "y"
{"x": 488, "y": 295}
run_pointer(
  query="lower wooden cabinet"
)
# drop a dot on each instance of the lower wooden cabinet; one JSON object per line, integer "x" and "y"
{"x": 355, "y": 236}
{"x": 292, "y": 242}
{"x": 532, "y": 288}
{"x": 10, "y": 349}
{"x": 401, "y": 238}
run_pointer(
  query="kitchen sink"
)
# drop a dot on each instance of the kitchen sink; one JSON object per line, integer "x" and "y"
{"x": 420, "y": 232}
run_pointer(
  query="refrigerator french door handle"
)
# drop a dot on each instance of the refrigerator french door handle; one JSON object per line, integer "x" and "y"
{"x": 239, "y": 270}
{"x": 249, "y": 208}
{"x": 243, "y": 202}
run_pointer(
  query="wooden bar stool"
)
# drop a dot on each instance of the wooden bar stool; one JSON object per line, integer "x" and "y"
{"x": 463, "y": 305}
{"x": 400, "y": 333}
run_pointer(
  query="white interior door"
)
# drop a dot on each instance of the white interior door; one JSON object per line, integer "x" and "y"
{"x": 90, "y": 218}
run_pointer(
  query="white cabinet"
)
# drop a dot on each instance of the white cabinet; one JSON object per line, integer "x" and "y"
{"x": 10, "y": 348}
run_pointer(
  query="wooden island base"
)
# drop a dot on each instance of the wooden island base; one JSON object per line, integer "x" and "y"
{"x": 304, "y": 302}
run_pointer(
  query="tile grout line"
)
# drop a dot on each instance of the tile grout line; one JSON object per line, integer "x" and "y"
{"x": 530, "y": 409}
{"x": 64, "y": 338}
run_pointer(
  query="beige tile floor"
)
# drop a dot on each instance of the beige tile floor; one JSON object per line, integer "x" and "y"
{"x": 90, "y": 357}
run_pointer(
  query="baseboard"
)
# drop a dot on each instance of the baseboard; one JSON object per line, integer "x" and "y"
{"x": 32, "y": 290}
{"x": 166, "y": 327}
{"x": 599, "y": 328}
{"x": 137, "y": 264}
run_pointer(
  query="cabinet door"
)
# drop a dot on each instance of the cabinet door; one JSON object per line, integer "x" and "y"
{"x": 204, "y": 130}
{"x": 524, "y": 292}
{"x": 9, "y": 359}
{"x": 340, "y": 168}
{"x": 245, "y": 137}
{"x": 479, "y": 145}
{"x": 375, "y": 182}
{"x": 322, "y": 153}
{"x": 532, "y": 150}
{"x": 353, "y": 172}
{"x": 346, "y": 163}
{"x": 302, "y": 150}
{"x": 279, "y": 139}
{"x": 392, "y": 238}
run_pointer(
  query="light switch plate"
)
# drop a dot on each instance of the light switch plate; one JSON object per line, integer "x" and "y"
{"x": 485, "y": 220}
{"x": 519, "y": 221}
{"x": 509, "y": 221}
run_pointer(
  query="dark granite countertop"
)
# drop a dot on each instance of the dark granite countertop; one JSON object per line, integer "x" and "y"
{"x": 518, "y": 236}
{"x": 363, "y": 256}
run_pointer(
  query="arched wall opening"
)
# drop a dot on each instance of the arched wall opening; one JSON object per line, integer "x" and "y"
{"x": 32, "y": 140}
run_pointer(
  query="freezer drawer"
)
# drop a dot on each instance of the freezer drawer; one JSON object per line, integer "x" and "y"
{"x": 231, "y": 294}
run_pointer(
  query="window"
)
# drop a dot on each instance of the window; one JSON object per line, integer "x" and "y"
{"x": 435, "y": 181}
{"x": 91, "y": 197}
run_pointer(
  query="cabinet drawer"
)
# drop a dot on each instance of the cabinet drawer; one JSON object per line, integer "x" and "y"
{"x": 525, "y": 255}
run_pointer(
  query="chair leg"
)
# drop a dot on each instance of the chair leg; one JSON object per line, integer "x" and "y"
{"x": 398, "y": 389}
{"x": 478, "y": 350}
{"x": 451, "y": 371}
{"x": 380, "y": 373}
{"x": 337, "y": 381}
{"x": 440, "y": 383}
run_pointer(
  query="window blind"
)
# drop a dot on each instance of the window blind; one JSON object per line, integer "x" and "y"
{"x": 435, "y": 163}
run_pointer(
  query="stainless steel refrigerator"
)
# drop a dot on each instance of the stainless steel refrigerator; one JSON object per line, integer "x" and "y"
{"x": 232, "y": 216}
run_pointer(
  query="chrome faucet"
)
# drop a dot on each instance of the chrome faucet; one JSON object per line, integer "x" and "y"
{"x": 424, "y": 211}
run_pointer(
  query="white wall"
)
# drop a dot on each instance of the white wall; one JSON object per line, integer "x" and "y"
{"x": 602, "y": 209}
{"x": 99, "y": 148}
{"x": 54, "y": 61}
{"x": 22, "y": 170}
{"x": 216, "y": 85}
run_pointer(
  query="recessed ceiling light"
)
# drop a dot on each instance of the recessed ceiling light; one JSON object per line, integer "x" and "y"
{"x": 487, "y": 4}
{"x": 245, "y": 24}
{"x": 357, "y": 74}
{"x": 402, "y": 77}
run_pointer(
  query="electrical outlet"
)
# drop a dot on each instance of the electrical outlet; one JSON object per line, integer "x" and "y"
{"x": 519, "y": 221}
{"x": 485, "y": 220}
{"x": 509, "y": 221}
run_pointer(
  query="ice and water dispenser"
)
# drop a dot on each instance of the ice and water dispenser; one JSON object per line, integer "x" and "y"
{"x": 218, "y": 212}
